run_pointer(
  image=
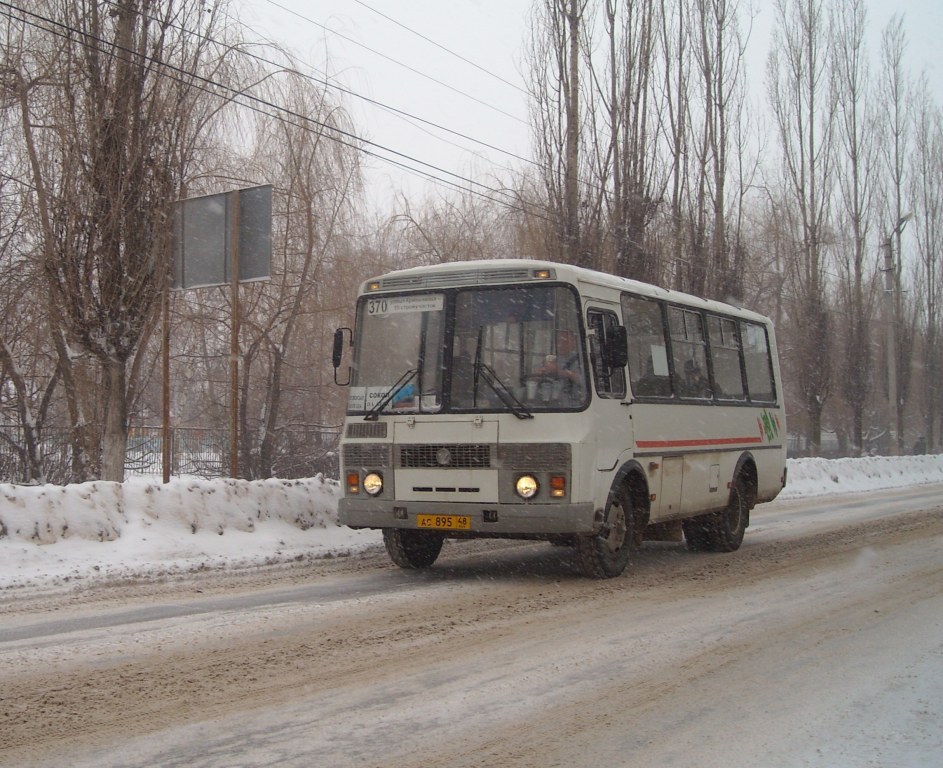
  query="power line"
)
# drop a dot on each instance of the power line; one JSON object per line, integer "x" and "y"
{"x": 402, "y": 114}
{"x": 257, "y": 104}
{"x": 393, "y": 110}
{"x": 395, "y": 61}
{"x": 322, "y": 80}
{"x": 410, "y": 116}
{"x": 441, "y": 47}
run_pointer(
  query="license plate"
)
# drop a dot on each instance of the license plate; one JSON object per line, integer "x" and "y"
{"x": 444, "y": 522}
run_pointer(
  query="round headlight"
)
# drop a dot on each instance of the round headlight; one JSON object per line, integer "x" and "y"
{"x": 373, "y": 483}
{"x": 526, "y": 486}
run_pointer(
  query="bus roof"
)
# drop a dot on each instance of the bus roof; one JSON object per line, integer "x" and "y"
{"x": 508, "y": 271}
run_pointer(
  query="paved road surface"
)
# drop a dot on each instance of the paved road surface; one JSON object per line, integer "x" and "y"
{"x": 819, "y": 643}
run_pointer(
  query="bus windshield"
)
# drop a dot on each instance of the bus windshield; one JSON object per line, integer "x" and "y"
{"x": 502, "y": 349}
{"x": 398, "y": 361}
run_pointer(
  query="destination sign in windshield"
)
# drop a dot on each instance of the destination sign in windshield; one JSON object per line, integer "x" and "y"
{"x": 399, "y": 305}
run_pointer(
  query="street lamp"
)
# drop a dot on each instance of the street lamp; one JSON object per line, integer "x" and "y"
{"x": 891, "y": 289}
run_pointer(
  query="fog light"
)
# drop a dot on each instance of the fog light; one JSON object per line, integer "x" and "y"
{"x": 526, "y": 486}
{"x": 373, "y": 483}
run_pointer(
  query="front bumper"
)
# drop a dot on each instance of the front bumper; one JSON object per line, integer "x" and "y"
{"x": 486, "y": 519}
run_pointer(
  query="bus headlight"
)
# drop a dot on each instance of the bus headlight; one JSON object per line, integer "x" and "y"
{"x": 373, "y": 483}
{"x": 526, "y": 486}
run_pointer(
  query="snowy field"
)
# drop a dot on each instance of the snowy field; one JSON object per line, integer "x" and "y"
{"x": 98, "y": 531}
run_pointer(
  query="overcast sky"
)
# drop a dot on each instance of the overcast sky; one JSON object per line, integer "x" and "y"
{"x": 459, "y": 64}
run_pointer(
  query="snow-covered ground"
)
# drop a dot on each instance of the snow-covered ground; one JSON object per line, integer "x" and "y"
{"x": 101, "y": 531}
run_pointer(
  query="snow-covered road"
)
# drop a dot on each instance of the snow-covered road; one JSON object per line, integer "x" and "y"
{"x": 819, "y": 643}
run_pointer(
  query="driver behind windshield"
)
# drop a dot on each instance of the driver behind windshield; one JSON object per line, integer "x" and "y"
{"x": 565, "y": 365}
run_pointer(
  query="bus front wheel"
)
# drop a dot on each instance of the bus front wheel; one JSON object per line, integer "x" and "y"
{"x": 605, "y": 554}
{"x": 412, "y": 549}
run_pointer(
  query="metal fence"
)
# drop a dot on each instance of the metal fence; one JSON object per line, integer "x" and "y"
{"x": 194, "y": 451}
{"x": 55, "y": 453}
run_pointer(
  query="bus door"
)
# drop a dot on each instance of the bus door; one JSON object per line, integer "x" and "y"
{"x": 672, "y": 486}
{"x": 612, "y": 426}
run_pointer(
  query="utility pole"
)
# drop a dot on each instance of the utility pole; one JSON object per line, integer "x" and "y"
{"x": 234, "y": 258}
{"x": 891, "y": 292}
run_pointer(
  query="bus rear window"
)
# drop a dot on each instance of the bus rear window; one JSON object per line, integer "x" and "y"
{"x": 757, "y": 362}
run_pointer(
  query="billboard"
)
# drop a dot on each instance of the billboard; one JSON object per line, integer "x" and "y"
{"x": 204, "y": 251}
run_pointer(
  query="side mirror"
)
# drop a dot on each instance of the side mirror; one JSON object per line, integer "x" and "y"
{"x": 617, "y": 347}
{"x": 337, "y": 354}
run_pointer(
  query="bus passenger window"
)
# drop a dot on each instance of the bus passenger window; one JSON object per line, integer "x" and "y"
{"x": 756, "y": 356}
{"x": 648, "y": 350}
{"x": 689, "y": 353}
{"x": 725, "y": 357}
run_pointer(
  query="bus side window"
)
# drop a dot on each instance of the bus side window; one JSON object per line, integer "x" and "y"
{"x": 648, "y": 348}
{"x": 758, "y": 364}
{"x": 689, "y": 353}
{"x": 725, "y": 358}
{"x": 610, "y": 382}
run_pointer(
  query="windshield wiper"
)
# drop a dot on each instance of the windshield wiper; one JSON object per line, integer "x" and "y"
{"x": 505, "y": 395}
{"x": 374, "y": 413}
{"x": 515, "y": 406}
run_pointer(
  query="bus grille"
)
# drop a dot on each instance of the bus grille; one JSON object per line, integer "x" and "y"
{"x": 367, "y": 455}
{"x": 524, "y": 457}
{"x": 534, "y": 457}
{"x": 375, "y": 430}
{"x": 444, "y": 456}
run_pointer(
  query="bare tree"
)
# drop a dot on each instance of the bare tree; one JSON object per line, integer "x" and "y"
{"x": 927, "y": 194}
{"x": 803, "y": 109}
{"x": 634, "y": 109}
{"x": 676, "y": 52}
{"x": 317, "y": 176}
{"x": 893, "y": 93}
{"x": 855, "y": 151}
{"x": 109, "y": 99}
{"x": 27, "y": 300}
{"x": 29, "y": 375}
{"x": 28, "y": 379}
{"x": 718, "y": 51}
{"x": 459, "y": 227}
{"x": 556, "y": 55}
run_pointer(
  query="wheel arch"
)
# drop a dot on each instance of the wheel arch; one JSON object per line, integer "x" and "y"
{"x": 746, "y": 469}
{"x": 632, "y": 477}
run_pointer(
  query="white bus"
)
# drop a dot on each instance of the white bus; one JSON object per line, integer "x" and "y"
{"x": 532, "y": 400}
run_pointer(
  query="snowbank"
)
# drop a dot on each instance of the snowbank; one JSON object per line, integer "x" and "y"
{"x": 815, "y": 477}
{"x": 102, "y": 511}
{"x": 142, "y": 529}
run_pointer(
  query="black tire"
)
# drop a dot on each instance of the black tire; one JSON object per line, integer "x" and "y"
{"x": 698, "y": 533}
{"x": 412, "y": 549}
{"x": 720, "y": 531}
{"x": 606, "y": 554}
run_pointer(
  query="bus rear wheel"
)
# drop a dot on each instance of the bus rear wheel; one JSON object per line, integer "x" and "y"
{"x": 605, "y": 554}
{"x": 720, "y": 531}
{"x": 412, "y": 549}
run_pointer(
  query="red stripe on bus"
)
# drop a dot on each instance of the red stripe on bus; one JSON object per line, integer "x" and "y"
{"x": 696, "y": 443}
